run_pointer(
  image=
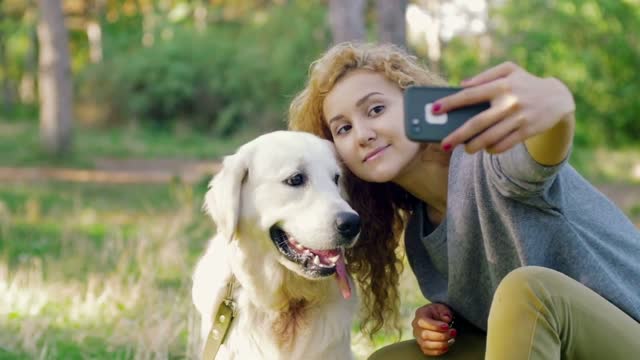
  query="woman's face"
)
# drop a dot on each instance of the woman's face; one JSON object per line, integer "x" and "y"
{"x": 364, "y": 112}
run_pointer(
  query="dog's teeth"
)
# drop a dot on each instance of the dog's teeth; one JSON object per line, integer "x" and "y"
{"x": 306, "y": 252}
{"x": 298, "y": 246}
{"x": 316, "y": 260}
{"x": 334, "y": 259}
{"x": 344, "y": 257}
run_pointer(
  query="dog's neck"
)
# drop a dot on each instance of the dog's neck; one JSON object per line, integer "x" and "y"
{"x": 281, "y": 307}
{"x": 293, "y": 292}
{"x": 287, "y": 323}
{"x": 289, "y": 307}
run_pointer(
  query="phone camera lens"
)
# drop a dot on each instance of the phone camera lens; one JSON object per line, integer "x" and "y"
{"x": 416, "y": 128}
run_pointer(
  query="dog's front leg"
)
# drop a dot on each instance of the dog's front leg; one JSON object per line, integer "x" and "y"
{"x": 210, "y": 278}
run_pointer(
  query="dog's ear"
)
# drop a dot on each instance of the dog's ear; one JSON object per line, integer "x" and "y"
{"x": 222, "y": 200}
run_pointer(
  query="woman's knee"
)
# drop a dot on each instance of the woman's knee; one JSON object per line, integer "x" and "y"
{"x": 527, "y": 281}
{"x": 526, "y": 289}
{"x": 520, "y": 300}
{"x": 527, "y": 293}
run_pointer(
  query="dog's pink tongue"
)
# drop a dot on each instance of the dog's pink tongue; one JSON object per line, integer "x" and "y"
{"x": 343, "y": 280}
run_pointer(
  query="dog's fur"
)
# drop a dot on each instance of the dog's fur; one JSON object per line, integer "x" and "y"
{"x": 284, "y": 311}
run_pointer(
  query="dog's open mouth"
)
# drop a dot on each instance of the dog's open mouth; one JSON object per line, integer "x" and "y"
{"x": 319, "y": 262}
{"x": 314, "y": 263}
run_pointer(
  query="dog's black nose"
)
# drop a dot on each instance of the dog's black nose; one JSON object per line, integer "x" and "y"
{"x": 348, "y": 224}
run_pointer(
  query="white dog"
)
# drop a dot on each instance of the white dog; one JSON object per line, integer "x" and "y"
{"x": 282, "y": 227}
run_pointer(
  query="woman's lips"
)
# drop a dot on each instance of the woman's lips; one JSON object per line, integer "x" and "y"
{"x": 374, "y": 154}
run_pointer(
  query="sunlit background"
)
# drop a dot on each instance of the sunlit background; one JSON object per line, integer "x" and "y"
{"x": 115, "y": 113}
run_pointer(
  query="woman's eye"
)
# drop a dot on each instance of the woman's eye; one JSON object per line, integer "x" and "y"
{"x": 296, "y": 180}
{"x": 343, "y": 129}
{"x": 376, "y": 110}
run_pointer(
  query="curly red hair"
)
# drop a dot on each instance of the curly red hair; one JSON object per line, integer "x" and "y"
{"x": 376, "y": 260}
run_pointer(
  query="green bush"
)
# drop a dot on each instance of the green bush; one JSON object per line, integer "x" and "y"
{"x": 587, "y": 44}
{"x": 230, "y": 76}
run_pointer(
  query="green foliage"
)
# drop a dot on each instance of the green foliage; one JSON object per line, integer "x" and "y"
{"x": 460, "y": 59}
{"x": 253, "y": 56}
{"x": 232, "y": 75}
{"x": 590, "y": 46}
{"x": 585, "y": 43}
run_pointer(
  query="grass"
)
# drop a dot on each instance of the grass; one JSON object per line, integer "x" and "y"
{"x": 73, "y": 256}
{"x": 74, "y": 270}
{"x": 75, "y": 279}
{"x": 19, "y": 144}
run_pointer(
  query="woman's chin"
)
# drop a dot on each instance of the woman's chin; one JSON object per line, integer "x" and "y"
{"x": 378, "y": 176}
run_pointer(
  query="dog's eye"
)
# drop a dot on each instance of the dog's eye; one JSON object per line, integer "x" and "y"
{"x": 336, "y": 177}
{"x": 296, "y": 180}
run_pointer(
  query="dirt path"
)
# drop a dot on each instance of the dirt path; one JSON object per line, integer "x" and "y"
{"x": 130, "y": 171}
{"x": 110, "y": 171}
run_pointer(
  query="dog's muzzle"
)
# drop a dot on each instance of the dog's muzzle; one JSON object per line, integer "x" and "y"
{"x": 313, "y": 262}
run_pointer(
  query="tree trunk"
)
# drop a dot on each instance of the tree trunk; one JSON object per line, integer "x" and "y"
{"x": 54, "y": 79}
{"x": 392, "y": 24}
{"x": 346, "y": 18}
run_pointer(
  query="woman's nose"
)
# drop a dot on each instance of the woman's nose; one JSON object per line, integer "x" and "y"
{"x": 365, "y": 134}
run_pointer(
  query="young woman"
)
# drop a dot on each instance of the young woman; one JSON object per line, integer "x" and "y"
{"x": 501, "y": 232}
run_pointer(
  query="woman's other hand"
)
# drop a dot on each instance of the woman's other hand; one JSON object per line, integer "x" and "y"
{"x": 431, "y": 329}
{"x": 523, "y": 107}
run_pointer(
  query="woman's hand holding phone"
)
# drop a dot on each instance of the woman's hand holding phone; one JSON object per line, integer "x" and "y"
{"x": 522, "y": 106}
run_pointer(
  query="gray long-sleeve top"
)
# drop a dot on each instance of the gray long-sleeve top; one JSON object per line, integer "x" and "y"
{"x": 506, "y": 211}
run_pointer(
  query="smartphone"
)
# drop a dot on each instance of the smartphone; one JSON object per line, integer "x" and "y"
{"x": 421, "y": 125}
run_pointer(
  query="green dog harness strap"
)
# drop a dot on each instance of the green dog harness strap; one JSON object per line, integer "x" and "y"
{"x": 220, "y": 324}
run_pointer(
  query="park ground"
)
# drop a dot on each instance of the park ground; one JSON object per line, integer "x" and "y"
{"x": 96, "y": 250}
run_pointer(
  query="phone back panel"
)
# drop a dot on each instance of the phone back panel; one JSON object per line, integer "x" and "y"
{"x": 422, "y": 126}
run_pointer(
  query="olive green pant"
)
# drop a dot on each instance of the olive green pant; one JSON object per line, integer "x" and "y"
{"x": 538, "y": 313}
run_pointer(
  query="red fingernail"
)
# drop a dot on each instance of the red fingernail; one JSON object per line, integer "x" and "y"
{"x": 436, "y": 107}
{"x": 446, "y": 147}
{"x": 453, "y": 333}
{"x": 444, "y": 326}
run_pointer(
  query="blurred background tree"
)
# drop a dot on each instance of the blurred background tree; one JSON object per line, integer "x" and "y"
{"x": 54, "y": 78}
{"x": 226, "y": 66}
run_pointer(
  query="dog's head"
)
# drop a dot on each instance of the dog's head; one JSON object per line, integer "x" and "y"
{"x": 281, "y": 191}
